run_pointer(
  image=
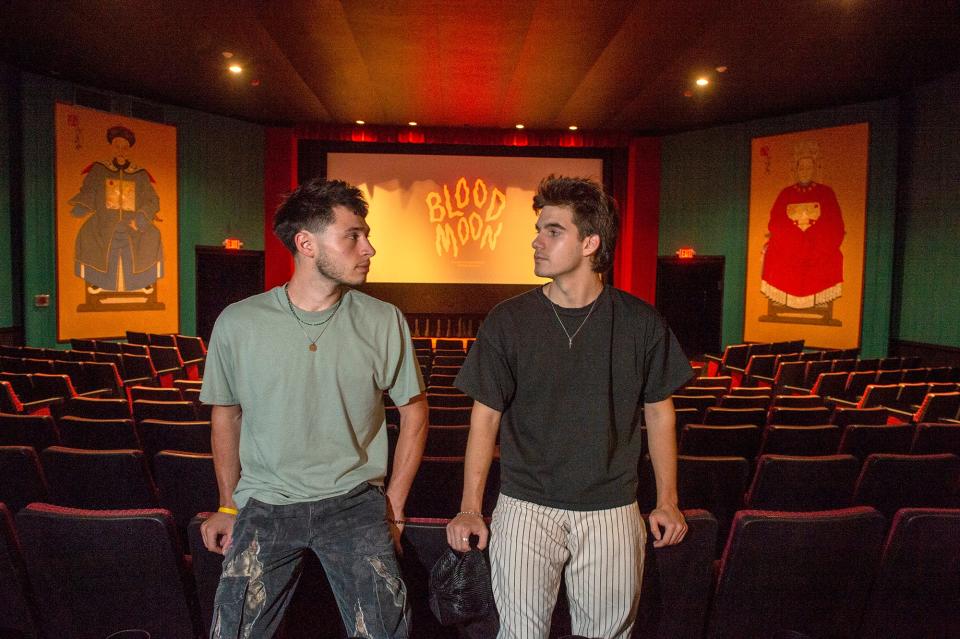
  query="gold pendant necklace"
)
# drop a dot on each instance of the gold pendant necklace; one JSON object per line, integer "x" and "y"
{"x": 325, "y": 323}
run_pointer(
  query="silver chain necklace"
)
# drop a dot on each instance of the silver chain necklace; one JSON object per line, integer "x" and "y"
{"x": 313, "y": 342}
{"x": 559, "y": 321}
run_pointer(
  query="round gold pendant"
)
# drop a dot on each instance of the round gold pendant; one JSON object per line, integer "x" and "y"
{"x": 313, "y": 348}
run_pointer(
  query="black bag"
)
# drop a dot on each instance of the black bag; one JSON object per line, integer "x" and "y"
{"x": 460, "y": 587}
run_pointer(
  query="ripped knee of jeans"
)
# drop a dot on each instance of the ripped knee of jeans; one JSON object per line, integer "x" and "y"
{"x": 242, "y": 592}
{"x": 390, "y": 578}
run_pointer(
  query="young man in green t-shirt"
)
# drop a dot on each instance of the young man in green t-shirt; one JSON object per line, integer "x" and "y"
{"x": 296, "y": 377}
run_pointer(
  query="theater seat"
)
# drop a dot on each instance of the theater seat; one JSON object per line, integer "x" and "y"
{"x": 676, "y": 582}
{"x": 802, "y": 484}
{"x": 789, "y": 416}
{"x": 447, "y": 441}
{"x": 424, "y": 542}
{"x": 438, "y": 488}
{"x": 891, "y": 482}
{"x": 800, "y": 440}
{"x": 157, "y": 435}
{"x": 804, "y": 572}
{"x": 714, "y": 484}
{"x": 707, "y": 441}
{"x": 844, "y": 417}
{"x": 17, "y": 611}
{"x": 97, "y": 572}
{"x": 917, "y": 593}
{"x": 187, "y": 485}
{"x": 21, "y": 477}
{"x": 37, "y": 431}
{"x": 936, "y": 438}
{"x": 95, "y": 408}
{"x": 206, "y": 567}
{"x": 98, "y": 478}
{"x": 863, "y": 440}
{"x": 98, "y": 434}
{"x": 716, "y": 416}
{"x": 449, "y": 416}
{"x": 177, "y": 411}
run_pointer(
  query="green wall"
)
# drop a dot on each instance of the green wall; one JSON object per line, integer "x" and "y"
{"x": 6, "y": 253}
{"x": 220, "y": 193}
{"x": 927, "y": 289}
{"x": 705, "y": 197}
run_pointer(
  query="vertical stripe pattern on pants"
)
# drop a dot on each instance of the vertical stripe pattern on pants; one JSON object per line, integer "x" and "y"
{"x": 599, "y": 553}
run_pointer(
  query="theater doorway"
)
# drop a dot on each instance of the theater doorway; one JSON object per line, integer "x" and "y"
{"x": 690, "y": 297}
{"x": 224, "y": 277}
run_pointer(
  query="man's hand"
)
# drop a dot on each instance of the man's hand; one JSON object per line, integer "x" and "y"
{"x": 217, "y": 532}
{"x": 667, "y": 526}
{"x": 396, "y": 531}
{"x": 462, "y": 526}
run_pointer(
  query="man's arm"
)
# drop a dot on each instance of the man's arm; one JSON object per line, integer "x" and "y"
{"x": 484, "y": 424}
{"x": 406, "y": 459}
{"x": 217, "y": 531}
{"x": 666, "y": 521}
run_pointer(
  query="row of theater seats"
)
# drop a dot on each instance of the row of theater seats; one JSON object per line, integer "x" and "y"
{"x": 837, "y": 573}
{"x": 804, "y": 374}
{"x": 22, "y": 392}
{"x": 859, "y": 440}
{"x": 915, "y": 402}
{"x": 150, "y": 433}
{"x": 887, "y": 482}
{"x": 181, "y": 357}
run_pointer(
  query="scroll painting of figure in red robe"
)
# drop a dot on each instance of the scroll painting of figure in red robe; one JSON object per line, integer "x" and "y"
{"x": 802, "y": 271}
{"x": 806, "y": 236}
{"x": 116, "y": 225}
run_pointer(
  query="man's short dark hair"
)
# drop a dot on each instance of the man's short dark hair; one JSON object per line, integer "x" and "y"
{"x": 594, "y": 212}
{"x": 310, "y": 208}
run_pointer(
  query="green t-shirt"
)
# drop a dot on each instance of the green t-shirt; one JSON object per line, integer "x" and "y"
{"x": 313, "y": 423}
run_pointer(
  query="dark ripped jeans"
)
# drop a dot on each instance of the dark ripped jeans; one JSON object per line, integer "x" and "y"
{"x": 349, "y": 535}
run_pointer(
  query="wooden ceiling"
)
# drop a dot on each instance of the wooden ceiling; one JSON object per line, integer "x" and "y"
{"x": 616, "y": 64}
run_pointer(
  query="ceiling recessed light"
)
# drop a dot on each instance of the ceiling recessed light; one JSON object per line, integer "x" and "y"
{"x": 519, "y": 126}
{"x": 721, "y": 69}
{"x": 255, "y": 82}
{"x": 227, "y": 54}
{"x": 360, "y": 122}
{"x": 573, "y": 127}
{"x": 412, "y": 123}
{"x": 688, "y": 93}
{"x": 702, "y": 82}
{"x": 235, "y": 69}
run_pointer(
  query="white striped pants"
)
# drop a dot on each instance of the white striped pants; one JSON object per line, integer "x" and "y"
{"x": 598, "y": 552}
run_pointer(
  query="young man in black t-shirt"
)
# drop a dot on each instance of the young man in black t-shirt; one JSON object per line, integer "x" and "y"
{"x": 564, "y": 372}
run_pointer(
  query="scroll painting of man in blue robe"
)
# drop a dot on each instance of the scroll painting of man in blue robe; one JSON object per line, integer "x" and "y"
{"x": 118, "y": 248}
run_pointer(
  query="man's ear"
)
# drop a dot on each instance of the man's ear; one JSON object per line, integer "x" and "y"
{"x": 591, "y": 244}
{"x": 305, "y": 243}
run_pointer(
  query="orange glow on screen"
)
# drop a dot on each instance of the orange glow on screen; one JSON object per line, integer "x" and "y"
{"x": 452, "y": 219}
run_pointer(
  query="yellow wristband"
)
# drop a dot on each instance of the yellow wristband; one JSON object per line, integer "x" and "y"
{"x": 228, "y": 510}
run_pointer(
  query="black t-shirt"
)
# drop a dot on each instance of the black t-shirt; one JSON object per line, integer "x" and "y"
{"x": 570, "y": 430}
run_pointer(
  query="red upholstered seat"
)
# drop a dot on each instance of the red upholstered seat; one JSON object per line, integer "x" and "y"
{"x": 807, "y": 572}
{"x": 97, "y": 572}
